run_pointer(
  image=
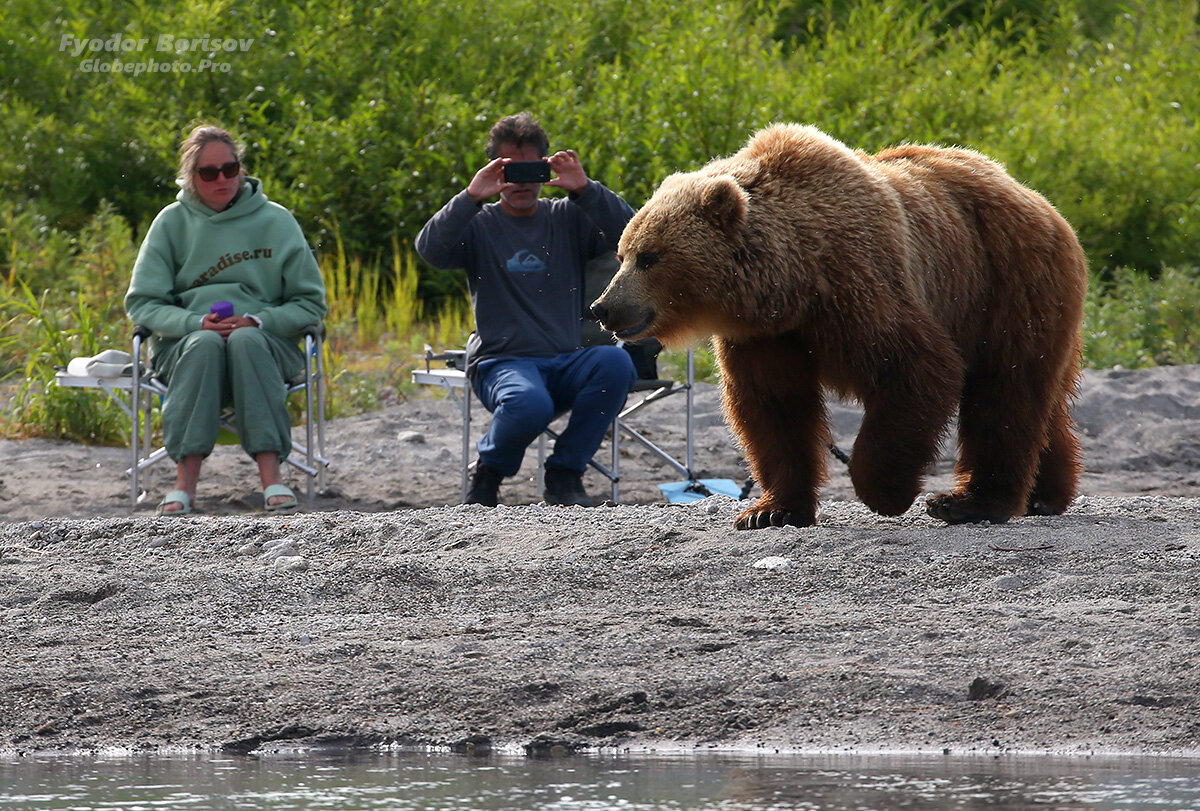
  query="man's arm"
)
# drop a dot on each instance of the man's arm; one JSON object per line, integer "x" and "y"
{"x": 442, "y": 242}
{"x": 603, "y": 206}
{"x": 607, "y": 211}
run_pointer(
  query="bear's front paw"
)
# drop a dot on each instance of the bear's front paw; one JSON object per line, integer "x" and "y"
{"x": 756, "y": 518}
{"x": 956, "y": 508}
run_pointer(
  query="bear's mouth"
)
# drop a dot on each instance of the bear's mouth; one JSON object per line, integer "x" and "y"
{"x": 636, "y": 331}
{"x": 625, "y": 321}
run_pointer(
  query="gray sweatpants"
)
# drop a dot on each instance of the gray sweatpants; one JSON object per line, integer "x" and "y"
{"x": 204, "y": 372}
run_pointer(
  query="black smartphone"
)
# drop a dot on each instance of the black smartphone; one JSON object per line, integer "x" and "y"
{"x": 526, "y": 172}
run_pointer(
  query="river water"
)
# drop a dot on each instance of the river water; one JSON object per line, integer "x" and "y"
{"x": 398, "y": 781}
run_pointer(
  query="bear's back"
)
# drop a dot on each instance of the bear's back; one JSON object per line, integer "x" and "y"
{"x": 1008, "y": 218}
{"x": 802, "y": 156}
{"x": 976, "y": 182}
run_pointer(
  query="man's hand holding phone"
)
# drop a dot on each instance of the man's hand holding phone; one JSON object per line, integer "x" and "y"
{"x": 562, "y": 169}
{"x": 570, "y": 175}
{"x": 488, "y": 181}
{"x": 502, "y": 173}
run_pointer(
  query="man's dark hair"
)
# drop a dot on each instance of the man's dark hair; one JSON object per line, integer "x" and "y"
{"x": 520, "y": 130}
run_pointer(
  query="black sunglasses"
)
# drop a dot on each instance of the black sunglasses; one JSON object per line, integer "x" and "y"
{"x": 210, "y": 173}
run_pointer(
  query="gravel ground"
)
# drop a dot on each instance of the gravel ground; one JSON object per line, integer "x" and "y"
{"x": 383, "y": 616}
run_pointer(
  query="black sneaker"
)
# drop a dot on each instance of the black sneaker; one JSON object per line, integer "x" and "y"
{"x": 485, "y": 486}
{"x": 565, "y": 488}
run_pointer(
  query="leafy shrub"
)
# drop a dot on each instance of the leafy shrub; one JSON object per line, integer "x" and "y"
{"x": 372, "y": 115}
{"x": 1134, "y": 320}
{"x": 364, "y": 118}
{"x": 50, "y": 338}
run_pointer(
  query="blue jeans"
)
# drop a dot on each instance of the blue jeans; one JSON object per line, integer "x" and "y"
{"x": 525, "y": 394}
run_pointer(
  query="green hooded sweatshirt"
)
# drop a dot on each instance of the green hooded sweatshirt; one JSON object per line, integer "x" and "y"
{"x": 253, "y": 254}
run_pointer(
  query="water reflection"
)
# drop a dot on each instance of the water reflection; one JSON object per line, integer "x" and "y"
{"x": 408, "y": 780}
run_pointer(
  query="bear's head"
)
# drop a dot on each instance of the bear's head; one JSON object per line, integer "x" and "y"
{"x": 677, "y": 255}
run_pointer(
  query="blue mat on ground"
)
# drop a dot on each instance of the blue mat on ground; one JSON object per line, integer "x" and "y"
{"x": 688, "y": 491}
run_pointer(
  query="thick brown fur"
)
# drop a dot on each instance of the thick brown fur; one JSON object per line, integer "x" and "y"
{"x": 920, "y": 281}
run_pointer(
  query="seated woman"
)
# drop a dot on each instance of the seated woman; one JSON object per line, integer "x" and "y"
{"x": 223, "y": 241}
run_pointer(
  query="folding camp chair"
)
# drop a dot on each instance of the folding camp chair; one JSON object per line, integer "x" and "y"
{"x": 135, "y": 393}
{"x": 647, "y": 390}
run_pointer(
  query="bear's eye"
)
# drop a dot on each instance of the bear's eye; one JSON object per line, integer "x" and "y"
{"x": 646, "y": 260}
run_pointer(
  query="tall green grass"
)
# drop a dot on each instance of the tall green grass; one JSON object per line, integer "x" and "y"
{"x": 372, "y": 342}
{"x": 1135, "y": 321}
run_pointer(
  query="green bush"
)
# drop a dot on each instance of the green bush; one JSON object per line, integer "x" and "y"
{"x": 1133, "y": 320}
{"x": 50, "y": 337}
{"x": 365, "y": 117}
{"x": 374, "y": 114}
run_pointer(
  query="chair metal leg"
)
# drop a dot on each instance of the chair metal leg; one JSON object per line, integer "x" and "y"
{"x": 686, "y": 468}
{"x": 135, "y": 402}
{"x": 466, "y": 438}
{"x": 616, "y": 460}
{"x": 540, "y": 477}
{"x": 320, "y": 397}
{"x": 464, "y": 408}
{"x": 309, "y": 415}
{"x": 691, "y": 388}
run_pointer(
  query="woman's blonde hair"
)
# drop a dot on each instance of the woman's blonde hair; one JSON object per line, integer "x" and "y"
{"x": 189, "y": 152}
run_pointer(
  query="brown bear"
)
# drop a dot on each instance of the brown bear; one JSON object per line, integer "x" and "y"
{"x": 917, "y": 281}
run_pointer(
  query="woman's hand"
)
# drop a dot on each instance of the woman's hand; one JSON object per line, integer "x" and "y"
{"x": 224, "y": 326}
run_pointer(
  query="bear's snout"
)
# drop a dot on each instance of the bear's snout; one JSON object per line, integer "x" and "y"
{"x": 600, "y": 311}
{"x": 626, "y": 321}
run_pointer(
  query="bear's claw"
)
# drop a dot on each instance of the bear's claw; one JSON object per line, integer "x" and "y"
{"x": 761, "y": 519}
{"x": 961, "y": 509}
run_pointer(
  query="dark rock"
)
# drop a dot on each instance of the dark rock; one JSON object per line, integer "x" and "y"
{"x": 548, "y": 745}
{"x": 245, "y": 746}
{"x": 981, "y": 688}
{"x": 476, "y": 745}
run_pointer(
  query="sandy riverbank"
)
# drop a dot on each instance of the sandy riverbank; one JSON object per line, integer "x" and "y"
{"x": 382, "y": 616}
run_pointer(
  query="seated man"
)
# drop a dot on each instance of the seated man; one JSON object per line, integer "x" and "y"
{"x": 525, "y": 257}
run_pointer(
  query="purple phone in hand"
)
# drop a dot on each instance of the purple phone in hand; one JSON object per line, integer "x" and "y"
{"x": 222, "y": 309}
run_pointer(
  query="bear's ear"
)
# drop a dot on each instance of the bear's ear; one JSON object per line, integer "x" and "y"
{"x": 723, "y": 203}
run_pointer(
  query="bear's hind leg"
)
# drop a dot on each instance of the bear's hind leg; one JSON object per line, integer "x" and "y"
{"x": 1002, "y": 429}
{"x": 906, "y": 413}
{"x": 1058, "y": 466}
{"x": 775, "y": 409}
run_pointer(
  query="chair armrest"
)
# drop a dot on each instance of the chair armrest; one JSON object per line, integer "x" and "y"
{"x": 315, "y": 331}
